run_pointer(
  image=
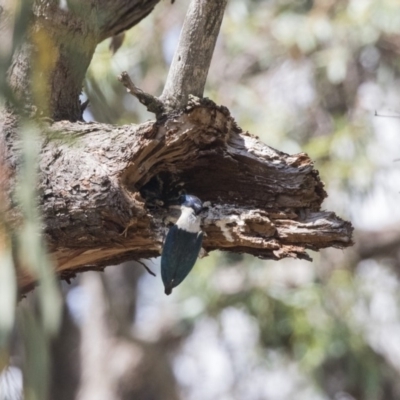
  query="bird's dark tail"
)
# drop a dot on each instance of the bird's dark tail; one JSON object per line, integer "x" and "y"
{"x": 168, "y": 290}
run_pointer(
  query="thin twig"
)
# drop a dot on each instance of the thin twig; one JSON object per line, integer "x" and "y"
{"x": 153, "y": 104}
{"x": 146, "y": 268}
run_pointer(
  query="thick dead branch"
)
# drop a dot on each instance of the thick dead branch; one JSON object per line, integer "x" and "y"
{"x": 105, "y": 190}
{"x": 188, "y": 72}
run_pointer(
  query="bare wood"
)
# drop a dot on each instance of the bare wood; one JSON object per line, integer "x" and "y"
{"x": 188, "y": 72}
{"x": 96, "y": 191}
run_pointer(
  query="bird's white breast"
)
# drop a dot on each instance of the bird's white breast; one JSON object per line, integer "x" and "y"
{"x": 188, "y": 221}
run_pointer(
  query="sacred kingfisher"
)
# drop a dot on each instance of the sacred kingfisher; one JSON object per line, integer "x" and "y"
{"x": 182, "y": 244}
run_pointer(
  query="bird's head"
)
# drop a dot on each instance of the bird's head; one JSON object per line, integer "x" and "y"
{"x": 193, "y": 202}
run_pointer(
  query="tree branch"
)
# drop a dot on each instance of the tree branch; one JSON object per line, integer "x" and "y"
{"x": 188, "y": 72}
{"x": 104, "y": 198}
{"x": 116, "y": 16}
{"x": 375, "y": 244}
{"x": 48, "y": 70}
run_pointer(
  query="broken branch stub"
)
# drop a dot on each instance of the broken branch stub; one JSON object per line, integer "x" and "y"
{"x": 152, "y": 104}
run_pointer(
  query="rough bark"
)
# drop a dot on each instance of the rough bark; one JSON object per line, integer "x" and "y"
{"x": 104, "y": 190}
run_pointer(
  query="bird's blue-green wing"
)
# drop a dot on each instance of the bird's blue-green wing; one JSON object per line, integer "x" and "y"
{"x": 188, "y": 257}
{"x": 179, "y": 255}
{"x": 169, "y": 257}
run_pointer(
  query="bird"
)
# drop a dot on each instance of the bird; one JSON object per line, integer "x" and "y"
{"x": 182, "y": 244}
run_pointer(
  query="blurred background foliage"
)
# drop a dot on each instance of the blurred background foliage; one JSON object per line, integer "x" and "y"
{"x": 319, "y": 76}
